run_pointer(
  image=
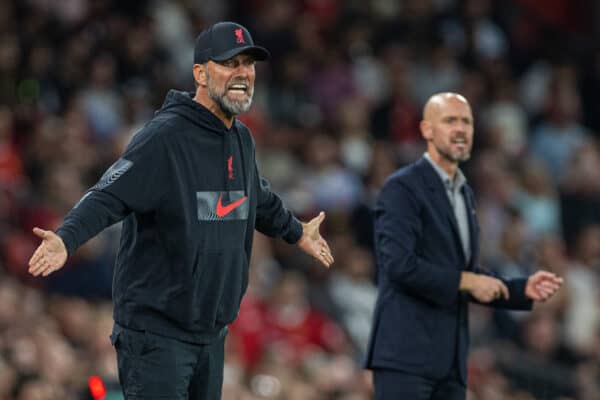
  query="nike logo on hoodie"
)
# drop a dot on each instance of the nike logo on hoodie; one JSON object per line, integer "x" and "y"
{"x": 224, "y": 210}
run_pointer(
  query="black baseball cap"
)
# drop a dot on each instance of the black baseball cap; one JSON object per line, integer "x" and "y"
{"x": 224, "y": 40}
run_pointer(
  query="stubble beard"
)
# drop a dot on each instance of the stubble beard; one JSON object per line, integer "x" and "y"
{"x": 229, "y": 107}
{"x": 455, "y": 158}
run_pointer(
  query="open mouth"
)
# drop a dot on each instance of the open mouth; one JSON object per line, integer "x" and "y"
{"x": 238, "y": 88}
{"x": 460, "y": 142}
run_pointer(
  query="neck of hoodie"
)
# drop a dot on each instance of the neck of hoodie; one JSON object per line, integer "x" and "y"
{"x": 203, "y": 98}
{"x": 185, "y": 105}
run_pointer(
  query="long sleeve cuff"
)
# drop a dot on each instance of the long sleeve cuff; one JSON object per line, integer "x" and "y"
{"x": 67, "y": 239}
{"x": 294, "y": 232}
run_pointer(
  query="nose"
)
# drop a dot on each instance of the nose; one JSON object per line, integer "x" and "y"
{"x": 244, "y": 70}
{"x": 461, "y": 128}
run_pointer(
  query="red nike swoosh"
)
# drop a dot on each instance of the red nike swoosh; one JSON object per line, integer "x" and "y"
{"x": 224, "y": 210}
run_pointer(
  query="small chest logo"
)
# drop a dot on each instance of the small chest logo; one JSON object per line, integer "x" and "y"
{"x": 239, "y": 36}
{"x": 230, "y": 168}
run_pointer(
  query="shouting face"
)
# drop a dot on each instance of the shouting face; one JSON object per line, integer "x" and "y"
{"x": 231, "y": 83}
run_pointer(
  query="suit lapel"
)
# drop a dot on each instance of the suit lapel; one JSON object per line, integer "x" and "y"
{"x": 473, "y": 234}
{"x": 440, "y": 198}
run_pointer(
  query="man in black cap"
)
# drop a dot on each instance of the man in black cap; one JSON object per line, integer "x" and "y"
{"x": 189, "y": 192}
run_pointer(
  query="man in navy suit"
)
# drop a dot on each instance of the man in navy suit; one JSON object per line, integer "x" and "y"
{"x": 426, "y": 240}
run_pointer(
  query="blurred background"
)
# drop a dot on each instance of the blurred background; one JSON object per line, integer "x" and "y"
{"x": 336, "y": 110}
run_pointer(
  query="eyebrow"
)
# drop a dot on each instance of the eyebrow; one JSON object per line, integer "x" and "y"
{"x": 240, "y": 58}
{"x": 456, "y": 117}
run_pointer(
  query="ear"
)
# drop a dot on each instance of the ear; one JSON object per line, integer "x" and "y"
{"x": 426, "y": 130}
{"x": 199, "y": 72}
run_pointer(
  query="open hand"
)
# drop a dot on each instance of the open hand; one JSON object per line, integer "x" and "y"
{"x": 50, "y": 255}
{"x": 312, "y": 242}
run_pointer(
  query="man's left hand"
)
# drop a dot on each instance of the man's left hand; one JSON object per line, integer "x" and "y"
{"x": 312, "y": 243}
{"x": 542, "y": 285}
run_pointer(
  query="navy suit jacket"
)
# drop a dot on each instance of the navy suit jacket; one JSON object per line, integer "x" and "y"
{"x": 421, "y": 321}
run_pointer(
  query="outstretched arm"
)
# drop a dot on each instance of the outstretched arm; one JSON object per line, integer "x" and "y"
{"x": 134, "y": 183}
{"x": 94, "y": 212}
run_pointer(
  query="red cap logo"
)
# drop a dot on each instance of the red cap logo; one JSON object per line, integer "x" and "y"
{"x": 239, "y": 36}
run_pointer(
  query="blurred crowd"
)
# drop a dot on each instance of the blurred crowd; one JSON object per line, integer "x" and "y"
{"x": 335, "y": 111}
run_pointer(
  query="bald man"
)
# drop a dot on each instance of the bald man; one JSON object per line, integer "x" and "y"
{"x": 426, "y": 241}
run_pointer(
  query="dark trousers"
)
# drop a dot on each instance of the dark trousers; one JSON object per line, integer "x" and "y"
{"x": 395, "y": 385}
{"x": 156, "y": 367}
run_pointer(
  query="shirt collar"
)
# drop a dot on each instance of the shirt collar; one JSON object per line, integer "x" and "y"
{"x": 459, "y": 179}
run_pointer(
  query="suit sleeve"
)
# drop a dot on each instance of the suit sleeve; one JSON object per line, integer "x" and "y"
{"x": 516, "y": 288}
{"x": 134, "y": 183}
{"x": 272, "y": 218}
{"x": 398, "y": 230}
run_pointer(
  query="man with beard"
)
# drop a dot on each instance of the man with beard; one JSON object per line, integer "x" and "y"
{"x": 426, "y": 240}
{"x": 189, "y": 192}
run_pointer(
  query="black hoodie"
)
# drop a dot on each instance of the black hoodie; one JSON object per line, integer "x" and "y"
{"x": 191, "y": 196}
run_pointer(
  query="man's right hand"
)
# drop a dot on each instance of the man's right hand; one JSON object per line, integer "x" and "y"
{"x": 50, "y": 255}
{"x": 482, "y": 287}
